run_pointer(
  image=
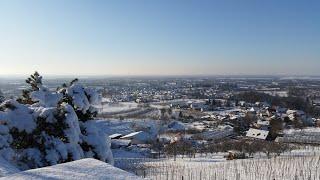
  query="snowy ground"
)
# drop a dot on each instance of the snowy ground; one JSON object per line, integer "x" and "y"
{"x": 84, "y": 169}
{"x": 301, "y": 163}
{"x": 298, "y": 164}
{"x": 6, "y": 168}
{"x": 281, "y": 168}
{"x": 128, "y": 110}
{"x": 277, "y": 93}
{"x": 113, "y": 126}
{"x": 180, "y": 101}
{"x": 119, "y": 107}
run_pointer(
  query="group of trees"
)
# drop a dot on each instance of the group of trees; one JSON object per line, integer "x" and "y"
{"x": 293, "y": 101}
{"x": 249, "y": 147}
{"x": 185, "y": 148}
{"x": 182, "y": 147}
{"x": 44, "y": 127}
{"x": 166, "y": 113}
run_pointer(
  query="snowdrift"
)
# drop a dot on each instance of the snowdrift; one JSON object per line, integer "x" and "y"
{"x": 6, "y": 168}
{"x": 77, "y": 170}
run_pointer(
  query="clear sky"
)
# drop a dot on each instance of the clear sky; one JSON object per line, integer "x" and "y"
{"x": 160, "y": 37}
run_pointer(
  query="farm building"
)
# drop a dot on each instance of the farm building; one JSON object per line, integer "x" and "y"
{"x": 223, "y": 132}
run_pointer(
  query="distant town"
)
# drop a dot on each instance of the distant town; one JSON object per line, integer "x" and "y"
{"x": 158, "y": 118}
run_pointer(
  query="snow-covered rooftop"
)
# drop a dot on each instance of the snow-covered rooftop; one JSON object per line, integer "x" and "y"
{"x": 115, "y": 135}
{"x": 131, "y": 135}
{"x": 257, "y": 133}
{"x": 77, "y": 170}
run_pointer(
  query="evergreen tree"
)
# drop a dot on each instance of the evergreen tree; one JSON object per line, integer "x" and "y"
{"x": 35, "y": 80}
{"x": 45, "y": 133}
{"x": 276, "y": 127}
{"x": 44, "y": 136}
{"x": 82, "y": 99}
{"x": 45, "y": 128}
{"x": 58, "y": 134}
{"x": 6, "y": 151}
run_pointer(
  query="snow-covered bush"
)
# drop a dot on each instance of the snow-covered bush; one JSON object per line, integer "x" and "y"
{"x": 41, "y": 136}
{"x": 5, "y": 140}
{"x": 95, "y": 143}
{"x": 45, "y": 128}
{"x": 82, "y": 99}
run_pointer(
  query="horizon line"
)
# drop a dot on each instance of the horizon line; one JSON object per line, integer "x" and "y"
{"x": 157, "y": 75}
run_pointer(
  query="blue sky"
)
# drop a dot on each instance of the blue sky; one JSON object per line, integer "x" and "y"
{"x": 167, "y": 37}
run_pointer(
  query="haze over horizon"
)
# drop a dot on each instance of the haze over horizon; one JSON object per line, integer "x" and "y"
{"x": 131, "y": 38}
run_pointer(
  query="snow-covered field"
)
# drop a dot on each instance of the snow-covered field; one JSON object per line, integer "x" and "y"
{"x": 127, "y": 110}
{"x": 308, "y": 135}
{"x": 281, "y": 168}
{"x": 112, "y": 126}
{"x": 119, "y": 107}
{"x": 277, "y": 93}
